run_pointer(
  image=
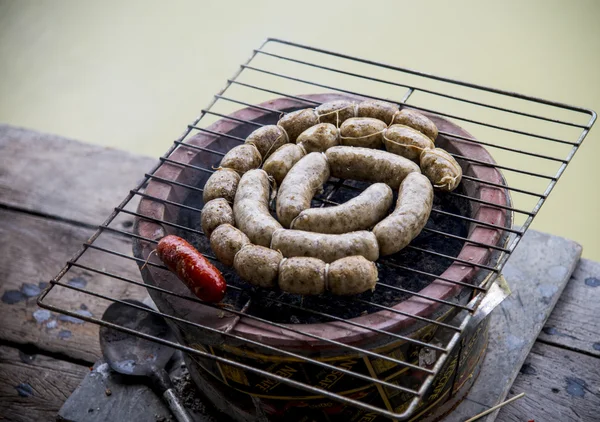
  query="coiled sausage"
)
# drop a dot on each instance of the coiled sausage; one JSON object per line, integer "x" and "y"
{"x": 327, "y": 247}
{"x": 251, "y": 208}
{"x": 300, "y": 185}
{"x": 415, "y": 199}
{"x": 359, "y": 213}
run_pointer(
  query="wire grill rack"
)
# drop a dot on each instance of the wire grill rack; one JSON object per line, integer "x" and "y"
{"x": 532, "y": 141}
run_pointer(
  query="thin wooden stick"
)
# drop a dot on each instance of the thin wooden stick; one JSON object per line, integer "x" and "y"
{"x": 491, "y": 409}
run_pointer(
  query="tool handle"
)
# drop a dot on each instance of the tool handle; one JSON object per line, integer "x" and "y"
{"x": 162, "y": 383}
{"x": 176, "y": 406}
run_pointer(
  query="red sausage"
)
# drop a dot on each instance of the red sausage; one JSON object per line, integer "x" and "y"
{"x": 198, "y": 274}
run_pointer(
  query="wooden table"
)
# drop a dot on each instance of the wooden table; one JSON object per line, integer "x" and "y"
{"x": 54, "y": 191}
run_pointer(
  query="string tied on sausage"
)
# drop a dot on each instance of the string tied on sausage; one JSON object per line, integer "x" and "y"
{"x": 364, "y": 136}
{"x": 284, "y": 133}
{"x": 408, "y": 146}
{"x": 247, "y": 245}
{"x": 302, "y": 148}
{"x": 272, "y": 143}
{"x": 337, "y": 113}
{"x": 394, "y": 117}
{"x": 148, "y": 259}
{"x": 326, "y": 275}
{"x": 279, "y": 269}
{"x": 272, "y": 236}
{"x": 446, "y": 182}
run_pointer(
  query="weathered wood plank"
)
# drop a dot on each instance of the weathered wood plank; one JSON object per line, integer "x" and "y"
{"x": 537, "y": 273}
{"x": 34, "y": 387}
{"x": 574, "y": 322}
{"x": 561, "y": 385}
{"x": 33, "y": 250}
{"x": 56, "y": 176}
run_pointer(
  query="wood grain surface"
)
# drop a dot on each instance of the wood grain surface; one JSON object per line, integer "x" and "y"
{"x": 41, "y": 248}
{"x": 574, "y": 322}
{"x": 560, "y": 385}
{"x": 63, "y": 178}
{"x": 33, "y": 387}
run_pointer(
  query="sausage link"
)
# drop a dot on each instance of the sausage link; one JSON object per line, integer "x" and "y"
{"x": 281, "y": 161}
{"x": 267, "y": 139}
{"x": 351, "y": 275}
{"x": 297, "y": 122}
{"x": 369, "y": 165}
{"x": 417, "y": 121}
{"x": 302, "y": 275}
{"x": 258, "y": 265}
{"x": 327, "y": 247}
{"x": 336, "y": 112}
{"x": 251, "y": 208}
{"x": 300, "y": 185}
{"x": 359, "y": 213}
{"x": 415, "y": 199}
{"x": 441, "y": 168}
{"x": 215, "y": 213}
{"x": 362, "y": 132}
{"x": 376, "y": 109}
{"x": 191, "y": 267}
{"x": 406, "y": 141}
{"x": 226, "y": 241}
{"x": 319, "y": 138}
{"x": 242, "y": 158}
{"x": 221, "y": 184}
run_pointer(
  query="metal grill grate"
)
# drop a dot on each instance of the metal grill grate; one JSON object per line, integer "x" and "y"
{"x": 532, "y": 141}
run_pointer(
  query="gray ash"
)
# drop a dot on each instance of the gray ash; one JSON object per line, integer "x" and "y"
{"x": 283, "y": 307}
{"x": 191, "y": 398}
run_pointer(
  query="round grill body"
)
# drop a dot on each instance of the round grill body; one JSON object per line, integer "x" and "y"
{"x": 247, "y": 396}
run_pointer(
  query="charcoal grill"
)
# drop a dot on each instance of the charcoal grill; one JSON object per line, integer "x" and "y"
{"x": 434, "y": 286}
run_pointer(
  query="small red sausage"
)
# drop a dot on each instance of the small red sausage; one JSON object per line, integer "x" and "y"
{"x": 198, "y": 274}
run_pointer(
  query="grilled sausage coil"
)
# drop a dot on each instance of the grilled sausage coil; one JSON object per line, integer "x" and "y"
{"x": 415, "y": 199}
{"x": 300, "y": 185}
{"x": 360, "y": 213}
{"x": 326, "y": 249}
{"x": 251, "y": 208}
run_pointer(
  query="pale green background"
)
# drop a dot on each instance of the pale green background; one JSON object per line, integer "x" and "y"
{"x": 132, "y": 74}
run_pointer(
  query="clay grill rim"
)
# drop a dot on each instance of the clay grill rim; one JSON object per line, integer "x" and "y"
{"x": 410, "y": 90}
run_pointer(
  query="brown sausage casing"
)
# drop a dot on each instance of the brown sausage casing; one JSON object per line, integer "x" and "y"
{"x": 351, "y": 275}
{"x": 417, "y": 121}
{"x": 296, "y": 122}
{"x": 369, "y": 165}
{"x": 319, "y": 138}
{"x": 251, "y": 208}
{"x": 302, "y": 275}
{"x": 281, "y": 161}
{"x": 359, "y": 213}
{"x": 267, "y": 139}
{"x": 258, "y": 265}
{"x": 376, "y": 109}
{"x": 406, "y": 141}
{"x": 441, "y": 168}
{"x": 215, "y": 213}
{"x": 226, "y": 241}
{"x": 336, "y": 112}
{"x": 242, "y": 158}
{"x": 327, "y": 247}
{"x": 415, "y": 199}
{"x": 300, "y": 185}
{"x": 221, "y": 184}
{"x": 362, "y": 132}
